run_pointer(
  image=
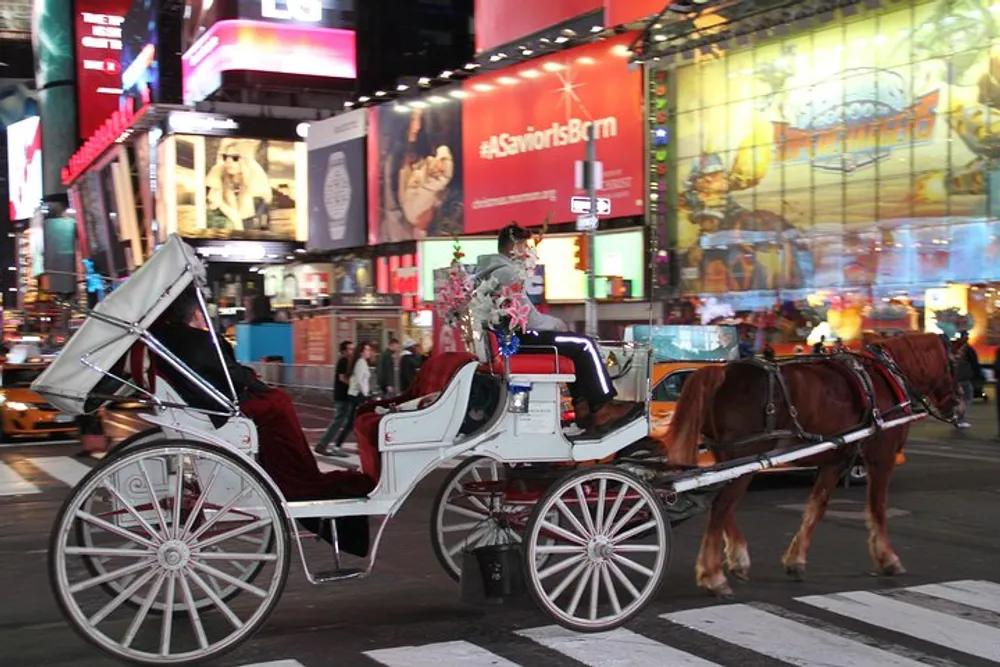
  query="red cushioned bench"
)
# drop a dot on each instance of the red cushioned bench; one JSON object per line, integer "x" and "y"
{"x": 530, "y": 360}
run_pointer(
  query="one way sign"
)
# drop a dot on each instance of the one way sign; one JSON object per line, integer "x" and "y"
{"x": 580, "y": 205}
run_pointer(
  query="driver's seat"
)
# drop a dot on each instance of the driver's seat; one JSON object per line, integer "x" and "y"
{"x": 529, "y": 360}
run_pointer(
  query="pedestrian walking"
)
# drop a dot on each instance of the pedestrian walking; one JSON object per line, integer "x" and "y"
{"x": 341, "y": 382}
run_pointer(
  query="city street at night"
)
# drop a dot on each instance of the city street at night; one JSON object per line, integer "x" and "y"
{"x": 945, "y": 611}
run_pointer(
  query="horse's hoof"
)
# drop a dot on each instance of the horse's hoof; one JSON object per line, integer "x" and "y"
{"x": 796, "y": 571}
{"x": 741, "y": 574}
{"x": 722, "y": 592}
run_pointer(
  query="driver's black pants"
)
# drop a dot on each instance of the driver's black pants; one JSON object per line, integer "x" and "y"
{"x": 592, "y": 381}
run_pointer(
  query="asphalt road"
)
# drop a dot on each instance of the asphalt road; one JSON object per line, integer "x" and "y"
{"x": 944, "y": 524}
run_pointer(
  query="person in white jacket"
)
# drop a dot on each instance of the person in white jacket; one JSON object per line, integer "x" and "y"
{"x": 359, "y": 388}
{"x": 593, "y": 392}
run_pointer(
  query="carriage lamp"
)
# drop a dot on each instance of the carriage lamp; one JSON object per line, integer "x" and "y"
{"x": 519, "y": 398}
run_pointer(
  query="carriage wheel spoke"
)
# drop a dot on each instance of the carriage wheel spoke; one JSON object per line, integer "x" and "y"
{"x": 126, "y": 571}
{"x": 581, "y": 498}
{"x": 200, "y": 502}
{"x": 637, "y": 548}
{"x": 559, "y": 531}
{"x": 559, "y": 549}
{"x": 221, "y": 513}
{"x": 192, "y": 610}
{"x": 108, "y": 552}
{"x": 216, "y": 573}
{"x": 134, "y": 538}
{"x": 176, "y": 527}
{"x": 140, "y": 615}
{"x": 570, "y": 578}
{"x": 632, "y": 565}
{"x": 602, "y": 494}
{"x": 167, "y": 627}
{"x": 632, "y": 532}
{"x": 460, "y": 527}
{"x": 136, "y": 514}
{"x": 216, "y": 600}
{"x": 466, "y": 512}
{"x": 471, "y": 538}
{"x": 622, "y": 579}
{"x": 613, "y": 514}
{"x": 152, "y": 498}
{"x": 595, "y": 588}
{"x": 610, "y": 585}
{"x": 233, "y": 557}
{"x": 560, "y": 566}
{"x": 574, "y": 522}
{"x": 628, "y": 516}
{"x": 125, "y": 594}
{"x": 235, "y": 532}
{"x": 581, "y": 586}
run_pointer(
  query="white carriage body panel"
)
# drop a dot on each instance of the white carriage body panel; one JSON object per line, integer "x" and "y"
{"x": 98, "y": 345}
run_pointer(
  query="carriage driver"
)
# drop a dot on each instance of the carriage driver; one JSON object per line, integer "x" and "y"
{"x": 593, "y": 393}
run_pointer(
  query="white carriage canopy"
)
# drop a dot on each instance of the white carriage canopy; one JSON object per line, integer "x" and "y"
{"x": 99, "y": 345}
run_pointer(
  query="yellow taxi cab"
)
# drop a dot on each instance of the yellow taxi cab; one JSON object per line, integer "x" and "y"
{"x": 680, "y": 350}
{"x": 23, "y": 413}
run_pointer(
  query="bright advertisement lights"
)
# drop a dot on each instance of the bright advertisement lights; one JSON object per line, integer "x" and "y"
{"x": 616, "y": 253}
{"x": 257, "y": 46}
{"x": 24, "y": 167}
{"x": 98, "y": 54}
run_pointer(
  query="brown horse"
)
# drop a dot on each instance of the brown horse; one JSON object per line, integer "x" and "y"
{"x": 731, "y": 404}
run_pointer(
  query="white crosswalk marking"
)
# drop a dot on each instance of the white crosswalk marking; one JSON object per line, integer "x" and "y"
{"x": 935, "y": 627}
{"x": 978, "y": 594}
{"x": 630, "y": 649}
{"x": 785, "y": 640}
{"x": 276, "y": 663}
{"x": 12, "y": 484}
{"x": 66, "y": 470}
{"x": 445, "y": 654}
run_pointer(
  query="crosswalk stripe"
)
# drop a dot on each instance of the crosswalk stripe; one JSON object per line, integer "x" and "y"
{"x": 783, "y": 639}
{"x": 66, "y": 470}
{"x": 445, "y": 654}
{"x": 12, "y": 484}
{"x": 276, "y": 663}
{"x": 927, "y": 625}
{"x": 630, "y": 649}
{"x": 978, "y": 594}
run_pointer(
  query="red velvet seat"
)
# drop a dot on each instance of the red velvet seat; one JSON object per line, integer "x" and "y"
{"x": 434, "y": 376}
{"x": 532, "y": 361}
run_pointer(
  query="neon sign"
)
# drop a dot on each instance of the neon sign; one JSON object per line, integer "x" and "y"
{"x": 303, "y": 11}
{"x": 114, "y": 130}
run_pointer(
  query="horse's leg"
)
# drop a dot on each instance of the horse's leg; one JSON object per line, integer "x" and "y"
{"x": 880, "y": 460}
{"x": 708, "y": 571}
{"x": 795, "y": 557}
{"x": 737, "y": 551}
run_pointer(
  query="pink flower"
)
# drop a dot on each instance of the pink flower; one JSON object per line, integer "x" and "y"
{"x": 518, "y": 312}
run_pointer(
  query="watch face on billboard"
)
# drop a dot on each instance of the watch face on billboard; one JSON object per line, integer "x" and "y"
{"x": 139, "y": 58}
{"x": 24, "y": 167}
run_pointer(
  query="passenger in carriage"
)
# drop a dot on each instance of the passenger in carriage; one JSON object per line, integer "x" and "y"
{"x": 593, "y": 393}
{"x": 283, "y": 449}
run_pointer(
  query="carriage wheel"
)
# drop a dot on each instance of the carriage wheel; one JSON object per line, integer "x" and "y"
{"x": 97, "y": 565}
{"x": 182, "y": 536}
{"x": 461, "y": 521}
{"x": 607, "y": 555}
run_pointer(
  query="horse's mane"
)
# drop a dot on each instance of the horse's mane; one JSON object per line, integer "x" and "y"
{"x": 920, "y": 354}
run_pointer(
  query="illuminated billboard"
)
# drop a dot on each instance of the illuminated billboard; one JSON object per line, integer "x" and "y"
{"x": 24, "y": 167}
{"x": 243, "y": 45}
{"x": 98, "y": 60}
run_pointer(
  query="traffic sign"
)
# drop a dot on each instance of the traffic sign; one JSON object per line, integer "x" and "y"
{"x": 586, "y": 223}
{"x": 587, "y": 173}
{"x": 581, "y": 205}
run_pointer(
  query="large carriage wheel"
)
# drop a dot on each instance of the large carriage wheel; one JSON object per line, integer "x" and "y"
{"x": 607, "y": 555}
{"x": 466, "y": 514}
{"x": 178, "y": 542}
{"x": 97, "y": 565}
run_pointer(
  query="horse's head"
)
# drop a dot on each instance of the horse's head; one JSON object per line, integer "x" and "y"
{"x": 926, "y": 362}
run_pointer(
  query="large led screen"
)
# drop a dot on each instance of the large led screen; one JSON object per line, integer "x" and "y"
{"x": 24, "y": 167}
{"x": 98, "y": 60}
{"x": 861, "y": 153}
{"x": 238, "y": 188}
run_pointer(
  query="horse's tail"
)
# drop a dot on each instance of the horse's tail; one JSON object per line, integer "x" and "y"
{"x": 681, "y": 441}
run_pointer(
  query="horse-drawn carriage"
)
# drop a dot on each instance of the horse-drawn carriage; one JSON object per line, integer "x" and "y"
{"x": 176, "y": 548}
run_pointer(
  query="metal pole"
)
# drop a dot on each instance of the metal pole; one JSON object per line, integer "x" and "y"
{"x": 590, "y": 309}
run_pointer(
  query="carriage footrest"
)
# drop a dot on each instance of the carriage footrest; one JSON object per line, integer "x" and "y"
{"x": 327, "y": 576}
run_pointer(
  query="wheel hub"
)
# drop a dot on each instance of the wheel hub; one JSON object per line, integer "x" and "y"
{"x": 173, "y": 555}
{"x": 599, "y": 548}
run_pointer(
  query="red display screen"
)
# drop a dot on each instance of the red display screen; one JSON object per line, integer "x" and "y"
{"x": 98, "y": 66}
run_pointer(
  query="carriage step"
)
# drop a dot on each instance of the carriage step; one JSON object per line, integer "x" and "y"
{"x": 327, "y": 576}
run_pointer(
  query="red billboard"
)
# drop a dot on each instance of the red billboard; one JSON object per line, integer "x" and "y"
{"x": 525, "y": 126}
{"x": 98, "y": 67}
{"x": 500, "y": 22}
{"x": 618, "y": 12}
